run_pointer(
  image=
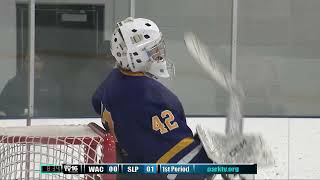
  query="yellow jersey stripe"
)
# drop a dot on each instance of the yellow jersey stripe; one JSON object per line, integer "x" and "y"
{"x": 175, "y": 150}
{"x": 130, "y": 73}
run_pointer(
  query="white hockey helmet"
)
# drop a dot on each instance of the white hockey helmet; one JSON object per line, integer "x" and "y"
{"x": 138, "y": 45}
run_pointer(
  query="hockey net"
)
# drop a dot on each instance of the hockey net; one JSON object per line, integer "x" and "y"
{"x": 24, "y": 149}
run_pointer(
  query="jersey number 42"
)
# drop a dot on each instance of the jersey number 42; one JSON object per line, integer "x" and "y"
{"x": 168, "y": 125}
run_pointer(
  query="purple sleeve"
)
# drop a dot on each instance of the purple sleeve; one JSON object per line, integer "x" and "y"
{"x": 97, "y": 99}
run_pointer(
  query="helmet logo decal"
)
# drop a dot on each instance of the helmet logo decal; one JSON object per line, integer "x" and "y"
{"x": 136, "y": 38}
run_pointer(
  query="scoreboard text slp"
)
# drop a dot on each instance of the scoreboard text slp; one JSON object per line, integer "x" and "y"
{"x": 149, "y": 169}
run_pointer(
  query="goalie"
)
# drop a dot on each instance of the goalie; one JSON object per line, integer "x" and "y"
{"x": 147, "y": 119}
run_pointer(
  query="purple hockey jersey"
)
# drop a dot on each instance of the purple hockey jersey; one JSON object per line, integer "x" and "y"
{"x": 147, "y": 119}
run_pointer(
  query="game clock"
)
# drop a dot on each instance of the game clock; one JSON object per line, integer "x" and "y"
{"x": 51, "y": 169}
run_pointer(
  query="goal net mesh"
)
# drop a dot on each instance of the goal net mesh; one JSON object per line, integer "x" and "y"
{"x": 24, "y": 149}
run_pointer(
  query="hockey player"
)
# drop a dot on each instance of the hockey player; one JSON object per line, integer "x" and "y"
{"x": 147, "y": 119}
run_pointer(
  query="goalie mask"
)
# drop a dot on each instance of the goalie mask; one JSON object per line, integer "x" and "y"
{"x": 138, "y": 45}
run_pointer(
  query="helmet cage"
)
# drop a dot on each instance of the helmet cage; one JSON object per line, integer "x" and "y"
{"x": 157, "y": 52}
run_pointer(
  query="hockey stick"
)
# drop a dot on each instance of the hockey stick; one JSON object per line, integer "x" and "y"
{"x": 200, "y": 53}
{"x": 234, "y": 147}
{"x": 223, "y": 77}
